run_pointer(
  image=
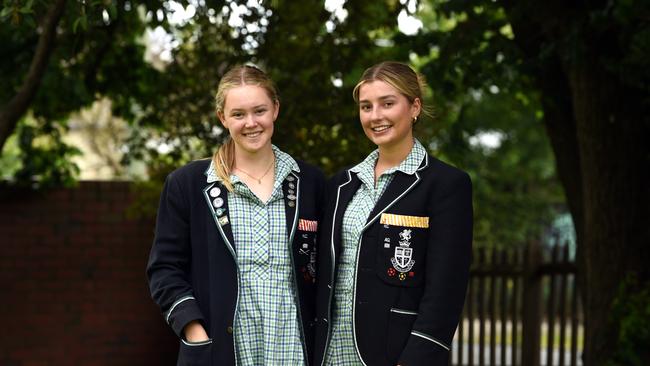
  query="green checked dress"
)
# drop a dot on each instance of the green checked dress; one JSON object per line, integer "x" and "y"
{"x": 266, "y": 331}
{"x": 341, "y": 349}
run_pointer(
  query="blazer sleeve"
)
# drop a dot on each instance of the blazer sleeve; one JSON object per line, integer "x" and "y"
{"x": 169, "y": 260}
{"x": 447, "y": 274}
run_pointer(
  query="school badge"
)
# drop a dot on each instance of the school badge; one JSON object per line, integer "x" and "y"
{"x": 311, "y": 266}
{"x": 402, "y": 260}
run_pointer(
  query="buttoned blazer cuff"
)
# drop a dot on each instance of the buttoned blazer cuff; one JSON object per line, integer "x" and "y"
{"x": 183, "y": 311}
{"x": 423, "y": 349}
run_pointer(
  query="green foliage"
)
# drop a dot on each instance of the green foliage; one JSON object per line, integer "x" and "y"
{"x": 98, "y": 52}
{"x": 45, "y": 161}
{"x": 631, "y": 312}
{"x": 480, "y": 91}
{"x": 10, "y": 159}
{"x": 516, "y": 193}
{"x": 315, "y": 60}
{"x": 318, "y": 121}
{"x": 17, "y": 11}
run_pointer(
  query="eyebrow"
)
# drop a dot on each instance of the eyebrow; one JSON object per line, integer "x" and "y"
{"x": 382, "y": 98}
{"x": 254, "y": 107}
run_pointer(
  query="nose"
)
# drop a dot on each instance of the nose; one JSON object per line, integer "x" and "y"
{"x": 250, "y": 120}
{"x": 375, "y": 114}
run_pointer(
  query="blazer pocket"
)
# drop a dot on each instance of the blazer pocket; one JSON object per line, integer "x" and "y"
{"x": 400, "y": 323}
{"x": 195, "y": 353}
{"x": 401, "y": 255}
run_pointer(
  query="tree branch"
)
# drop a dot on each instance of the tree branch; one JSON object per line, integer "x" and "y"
{"x": 18, "y": 105}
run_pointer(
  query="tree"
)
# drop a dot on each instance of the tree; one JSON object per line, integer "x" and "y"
{"x": 18, "y": 104}
{"x": 315, "y": 58}
{"x": 58, "y": 57}
{"x": 97, "y": 52}
{"x": 588, "y": 63}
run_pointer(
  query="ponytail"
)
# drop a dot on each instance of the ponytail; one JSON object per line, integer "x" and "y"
{"x": 223, "y": 160}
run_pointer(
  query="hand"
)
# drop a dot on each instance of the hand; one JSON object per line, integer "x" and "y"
{"x": 194, "y": 332}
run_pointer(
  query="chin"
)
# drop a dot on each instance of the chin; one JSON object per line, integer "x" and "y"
{"x": 375, "y": 140}
{"x": 382, "y": 141}
{"x": 256, "y": 146}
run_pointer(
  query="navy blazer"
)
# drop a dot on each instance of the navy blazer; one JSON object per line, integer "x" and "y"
{"x": 412, "y": 266}
{"x": 192, "y": 272}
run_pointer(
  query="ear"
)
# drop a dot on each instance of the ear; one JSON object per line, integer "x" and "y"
{"x": 416, "y": 107}
{"x": 222, "y": 118}
{"x": 277, "y": 110}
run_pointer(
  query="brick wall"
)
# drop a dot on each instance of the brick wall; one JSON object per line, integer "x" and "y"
{"x": 73, "y": 289}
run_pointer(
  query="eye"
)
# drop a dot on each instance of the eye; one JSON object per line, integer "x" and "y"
{"x": 260, "y": 111}
{"x": 365, "y": 107}
{"x": 237, "y": 115}
{"x": 388, "y": 104}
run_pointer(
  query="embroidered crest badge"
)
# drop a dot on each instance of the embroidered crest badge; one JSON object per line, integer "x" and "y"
{"x": 402, "y": 259}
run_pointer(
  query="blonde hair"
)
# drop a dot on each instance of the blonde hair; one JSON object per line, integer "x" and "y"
{"x": 224, "y": 158}
{"x": 400, "y": 76}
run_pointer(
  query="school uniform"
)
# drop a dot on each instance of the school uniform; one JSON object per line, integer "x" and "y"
{"x": 243, "y": 268}
{"x": 393, "y": 263}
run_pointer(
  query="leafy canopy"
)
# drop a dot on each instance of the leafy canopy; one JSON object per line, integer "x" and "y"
{"x": 315, "y": 58}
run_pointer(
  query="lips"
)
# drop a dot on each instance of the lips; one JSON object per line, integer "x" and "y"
{"x": 381, "y": 128}
{"x": 252, "y": 134}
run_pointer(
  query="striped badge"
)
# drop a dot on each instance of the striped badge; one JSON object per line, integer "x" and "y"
{"x": 307, "y": 225}
{"x": 405, "y": 221}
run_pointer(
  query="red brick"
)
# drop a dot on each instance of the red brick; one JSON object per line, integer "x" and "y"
{"x": 73, "y": 267}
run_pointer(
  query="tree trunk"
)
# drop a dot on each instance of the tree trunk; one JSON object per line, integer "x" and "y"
{"x": 560, "y": 127}
{"x": 18, "y": 105}
{"x": 612, "y": 126}
{"x": 559, "y": 119}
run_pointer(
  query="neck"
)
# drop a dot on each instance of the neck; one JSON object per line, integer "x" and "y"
{"x": 254, "y": 162}
{"x": 390, "y": 156}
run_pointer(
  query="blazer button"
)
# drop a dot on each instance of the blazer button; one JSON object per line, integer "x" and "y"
{"x": 229, "y": 330}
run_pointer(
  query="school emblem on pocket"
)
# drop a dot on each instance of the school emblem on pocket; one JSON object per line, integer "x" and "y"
{"x": 402, "y": 260}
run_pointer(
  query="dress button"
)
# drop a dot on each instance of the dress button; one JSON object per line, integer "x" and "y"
{"x": 229, "y": 330}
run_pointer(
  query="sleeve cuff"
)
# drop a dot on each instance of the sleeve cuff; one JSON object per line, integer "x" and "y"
{"x": 423, "y": 349}
{"x": 183, "y": 311}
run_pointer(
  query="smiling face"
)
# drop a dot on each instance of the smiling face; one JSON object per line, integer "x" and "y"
{"x": 248, "y": 114}
{"x": 386, "y": 115}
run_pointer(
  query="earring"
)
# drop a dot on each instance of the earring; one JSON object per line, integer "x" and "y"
{"x": 415, "y": 119}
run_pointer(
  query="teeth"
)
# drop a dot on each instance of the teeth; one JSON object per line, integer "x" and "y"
{"x": 252, "y": 134}
{"x": 380, "y": 128}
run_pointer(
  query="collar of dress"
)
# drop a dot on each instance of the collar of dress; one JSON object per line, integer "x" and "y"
{"x": 411, "y": 164}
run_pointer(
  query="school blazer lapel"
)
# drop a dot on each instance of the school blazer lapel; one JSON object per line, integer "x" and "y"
{"x": 344, "y": 194}
{"x": 216, "y": 197}
{"x": 291, "y": 193}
